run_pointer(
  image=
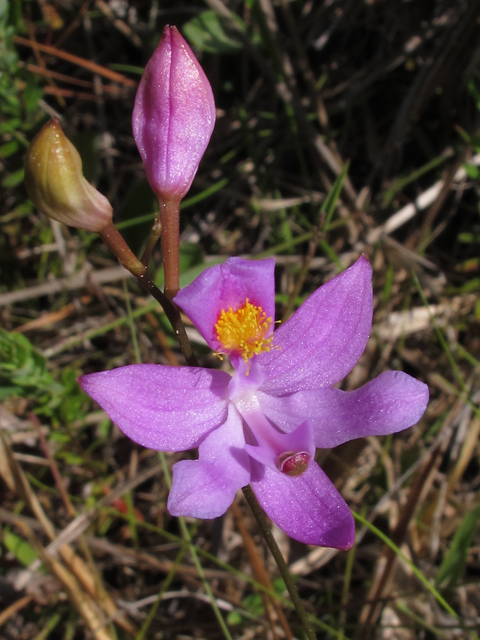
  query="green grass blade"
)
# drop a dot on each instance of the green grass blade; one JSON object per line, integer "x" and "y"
{"x": 438, "y": 597}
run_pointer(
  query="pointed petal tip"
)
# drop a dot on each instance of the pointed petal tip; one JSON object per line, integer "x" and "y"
{"x": 362, "y": 265}
{"x": 321, "y": 343}
{"x": 341, "y": 536}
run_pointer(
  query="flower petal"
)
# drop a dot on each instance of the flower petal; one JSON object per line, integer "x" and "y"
{"x": 224, "y": 286}
{"x": 390, "y": 403}
{"x": 271, "y": 444}
{"x": 308, "y": 508}
{"x": 160, "y": 407}
{"x": 324, "y": 339}
{"x": 206, "y": 487}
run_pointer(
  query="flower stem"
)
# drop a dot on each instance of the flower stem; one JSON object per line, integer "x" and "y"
{"x": 173, "y": 315}
{"x": 170, "y": 224}
{"x": 113, "y": 238}
{"x": 280, "y": 562}
{"x": 152, "y": 240}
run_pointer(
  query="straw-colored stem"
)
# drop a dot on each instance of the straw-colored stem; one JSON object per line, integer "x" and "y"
{"x": 152, "y": 240}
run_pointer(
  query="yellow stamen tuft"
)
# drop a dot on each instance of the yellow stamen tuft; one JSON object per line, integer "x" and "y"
{"x": 244, "y": 330}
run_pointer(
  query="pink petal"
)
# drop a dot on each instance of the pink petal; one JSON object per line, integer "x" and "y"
{"x": 173, "y": 117}
{"x": 206, "y": 487}
{"x": 224, "y": 286}
{"x": 160, "y": 407}
{"x": 308, "y": 508}
{"x": 270, "y": 448}
{"x": 324, "y": 339}
{"x": 390, "y": 403}
{"x": 271, "y": 443}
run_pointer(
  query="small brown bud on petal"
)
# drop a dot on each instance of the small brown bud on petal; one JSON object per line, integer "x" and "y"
{"x": 55, "y": 182}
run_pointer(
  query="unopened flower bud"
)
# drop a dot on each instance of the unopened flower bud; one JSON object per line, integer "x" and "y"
{"x": 173, "y": 117}
{"x": 55, "y": 182}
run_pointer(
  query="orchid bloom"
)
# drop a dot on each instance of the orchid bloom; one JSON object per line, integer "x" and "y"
{"x": 262, "y": 424}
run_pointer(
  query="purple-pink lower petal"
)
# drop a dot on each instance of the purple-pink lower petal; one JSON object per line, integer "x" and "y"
{"x": 308, "y": 508}
{"x": 160, "y": 407}
{"x": 206, "y": 487}
{"x": 324, "y": 339}
{"x": 390, "y": 403}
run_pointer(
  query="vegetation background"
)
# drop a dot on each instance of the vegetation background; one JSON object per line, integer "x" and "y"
{"x": 344, "y": 126}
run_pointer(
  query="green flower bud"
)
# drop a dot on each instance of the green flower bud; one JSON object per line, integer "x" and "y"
{"x": 55, "y": 182}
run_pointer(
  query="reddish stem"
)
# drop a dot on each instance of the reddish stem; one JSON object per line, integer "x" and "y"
{"x": 170, "y": 221}
{"x": 114, "y": 239}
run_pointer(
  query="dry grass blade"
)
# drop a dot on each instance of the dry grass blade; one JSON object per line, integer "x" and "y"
{"x": 467, "y": 452}
{"x": 261, "y": 575}
{"x": 81, "y": 62}
{"x": 10, "y": 611}
{"x": 78, "y": 281}
{"x": 77, "y": 569}
{"x": 84, "y": 604}
{"x": 386, "y": 564}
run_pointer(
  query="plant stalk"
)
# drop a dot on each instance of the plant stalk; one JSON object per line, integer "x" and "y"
{"x": 170, "y": 226}
{"x": 113, "y": 239}
{"x": 262, "y": 521}
{"x": 152, "y": 240}
{"x": 173, "y": 315}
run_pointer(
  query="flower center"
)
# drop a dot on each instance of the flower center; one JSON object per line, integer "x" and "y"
{"x": 244, "y": 330}
{"x": 292, "y": 463}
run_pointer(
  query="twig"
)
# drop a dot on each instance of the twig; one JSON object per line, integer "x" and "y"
{"x": 53, "y": 465}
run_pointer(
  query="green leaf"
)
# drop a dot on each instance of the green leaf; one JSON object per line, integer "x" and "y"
{"x": 13, "y": 179}
{"x": 24, "y": 372}
{"x": 472, "y": 171}
{"x": 234, "y": 618}
{"x": 330, "y": 202}
{"x": 11, "y": 125}
{"x": 22, "y": 551}
{"x": 453, "y": 565}
{"x": 206, "y": 33}
{"x": 31, "y": 96}
{"x": 9, "y": 148}
{"x": 70, "y": 458}
{"x": 59, "y": 436}
{"x": 438, "y": 596}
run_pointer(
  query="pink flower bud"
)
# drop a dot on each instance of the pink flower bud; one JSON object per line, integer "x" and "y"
{"x": 55, "y": 182}
{"x": 173, "y": 117}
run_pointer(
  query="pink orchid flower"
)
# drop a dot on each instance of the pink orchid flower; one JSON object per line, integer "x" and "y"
{"x": 263, "y": 424}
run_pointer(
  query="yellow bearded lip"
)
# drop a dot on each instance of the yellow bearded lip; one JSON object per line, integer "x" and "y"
{"x": 245, "y": 331}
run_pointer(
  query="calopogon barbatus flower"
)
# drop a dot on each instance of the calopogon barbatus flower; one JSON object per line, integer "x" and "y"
{"x": 173, "y": 116}
{"x": 262, "y": 424}
{"x": 56, "y": 185}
